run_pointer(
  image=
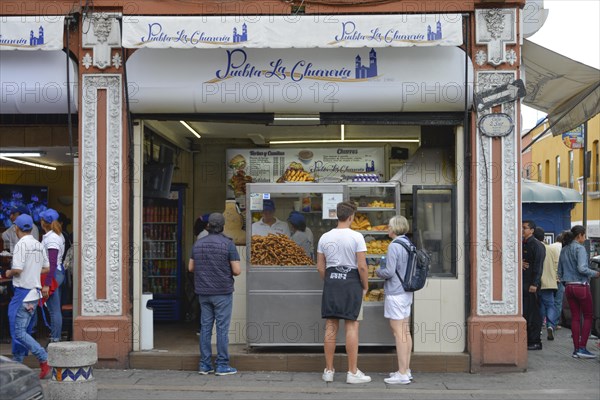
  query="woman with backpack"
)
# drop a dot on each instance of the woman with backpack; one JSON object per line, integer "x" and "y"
{"x": 398, "y": 301}
{"x": 575, "y": 273}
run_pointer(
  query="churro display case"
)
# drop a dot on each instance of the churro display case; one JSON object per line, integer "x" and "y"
{"x": 283, "y": 285}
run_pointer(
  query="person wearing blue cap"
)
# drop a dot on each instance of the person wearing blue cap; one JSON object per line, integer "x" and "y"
{"x": 301, "y": 234}
{"x": 269, "y": 223}
{"x": 28, "y": 262}
{"x": 9, "y": 236}
{"x": 54, "y": 243}
{"x": 200, "y": 226}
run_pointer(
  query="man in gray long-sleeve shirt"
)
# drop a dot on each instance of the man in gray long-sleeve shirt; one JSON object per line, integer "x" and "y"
{"x": 534, "y": 253}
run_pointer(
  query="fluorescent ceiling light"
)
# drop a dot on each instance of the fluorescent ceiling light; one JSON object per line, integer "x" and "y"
{"x": 190, "y": 129}
{"x": 345, "y": 141}
{"x": 31, "y": 164}
{"x": 296, "y": 119}
{"x": 20, "y": 154}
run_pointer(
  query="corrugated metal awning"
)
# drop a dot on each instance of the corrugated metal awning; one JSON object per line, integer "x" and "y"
{"x": 537, "y": 192}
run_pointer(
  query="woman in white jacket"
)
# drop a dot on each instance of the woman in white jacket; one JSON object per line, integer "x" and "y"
{"x": 54, "y": 243}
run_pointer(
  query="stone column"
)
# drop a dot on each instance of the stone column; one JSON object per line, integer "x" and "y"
{"x": 497, "y": 331}
{"x": 104, "y": 315}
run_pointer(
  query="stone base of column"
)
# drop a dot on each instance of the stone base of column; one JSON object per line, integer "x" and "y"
{"x": 497, "y": 343}
{"x": 113, "y": 335}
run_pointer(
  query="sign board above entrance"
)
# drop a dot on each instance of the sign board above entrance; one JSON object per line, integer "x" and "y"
{"x": 32, "y": 33}
{"x": 298, "y": 80}
{"x": 292, "y": 31}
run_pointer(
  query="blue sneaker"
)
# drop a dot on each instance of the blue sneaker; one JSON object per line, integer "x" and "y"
{"x": 225, "y": 371}
{"x": 584, "y": 353}
{"x": 575, "y": 355}
{"x": 206, "y": 371}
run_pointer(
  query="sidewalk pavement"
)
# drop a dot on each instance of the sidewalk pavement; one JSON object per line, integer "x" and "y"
{"x": 552, "y": 374}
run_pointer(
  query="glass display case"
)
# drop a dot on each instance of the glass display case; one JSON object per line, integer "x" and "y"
{"x": 284, "y": 292}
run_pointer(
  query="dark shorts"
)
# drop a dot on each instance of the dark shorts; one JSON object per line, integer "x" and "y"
{"x": 342, "y": 294}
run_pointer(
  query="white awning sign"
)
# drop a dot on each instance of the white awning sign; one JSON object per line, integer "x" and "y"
{"x": 304, "y": 31}
{"x": 32, "y": 33}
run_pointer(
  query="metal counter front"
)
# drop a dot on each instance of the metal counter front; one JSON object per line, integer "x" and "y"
{"x": 284, "y": 302}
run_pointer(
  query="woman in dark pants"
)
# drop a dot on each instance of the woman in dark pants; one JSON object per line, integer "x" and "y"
{"x": 575, "y": 274}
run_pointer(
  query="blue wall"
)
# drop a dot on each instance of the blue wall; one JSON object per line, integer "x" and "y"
{"x": 552, "y": 217}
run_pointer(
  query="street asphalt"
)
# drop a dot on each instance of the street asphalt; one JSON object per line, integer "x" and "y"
{"x": 552, "y": 374}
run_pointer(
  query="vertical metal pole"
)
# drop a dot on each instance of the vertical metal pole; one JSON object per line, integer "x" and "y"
{"x": 585, "y": 174}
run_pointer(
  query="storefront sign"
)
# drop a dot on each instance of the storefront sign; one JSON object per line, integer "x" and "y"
{"x": 32, "y": 33}
{"x": 496, "y": 125}
{"x": 292, "y": 31}
{"x": 574, "y": 139}
{"x": 299, "y": 165}
{"x": 298, "y": 80}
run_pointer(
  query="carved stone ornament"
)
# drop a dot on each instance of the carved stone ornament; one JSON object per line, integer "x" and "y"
{"x": 91, "y": 169}
{"x": 101, "y": 32}
{"x": 87, "y": 61}
{"x": 511, "y": 57}
{"x": 480, "y": 57}
{"x": 117, "y": 61}
{"x": 496, "y": 27}
{"x": 507, "y": 201}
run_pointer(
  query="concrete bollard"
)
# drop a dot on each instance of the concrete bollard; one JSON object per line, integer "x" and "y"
{"x": 72, "y": 371}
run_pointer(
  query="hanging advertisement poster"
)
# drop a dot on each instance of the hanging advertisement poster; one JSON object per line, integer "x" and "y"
{"x": 574, "y": 139}
{"x": 334, "y": 164}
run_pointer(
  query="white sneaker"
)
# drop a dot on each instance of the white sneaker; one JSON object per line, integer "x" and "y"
{"x": 408, "y": 373}
{"x": 328, "y": 375}
{"x": 358, "y": 377}
{"x": 397, "y": 379}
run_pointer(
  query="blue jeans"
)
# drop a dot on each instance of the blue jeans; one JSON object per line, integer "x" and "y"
{"x": 547, "y": 307}
{"x": 25, "y": 313}
{"x": 217, "y": 309}
{"x": 558, "y": 300}
{"x": 54, "y": 309}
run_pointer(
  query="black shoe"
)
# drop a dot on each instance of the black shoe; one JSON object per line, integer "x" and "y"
{"x": 537, "y": 346}
{"x": 550, "y": 333}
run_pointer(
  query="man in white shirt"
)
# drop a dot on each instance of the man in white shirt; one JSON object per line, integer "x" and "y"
{"x": 269, "y": 223}
{"x": 30, "y": 259}
{"x": 341, "y": 262}
{"x": 9, "y": 236}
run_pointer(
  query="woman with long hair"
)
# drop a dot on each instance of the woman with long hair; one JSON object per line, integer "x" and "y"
{"x": 54, "y": 243}
{"x": 575, "y": 274}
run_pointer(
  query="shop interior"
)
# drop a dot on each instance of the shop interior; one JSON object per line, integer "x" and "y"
{"x": 186, "y": 176}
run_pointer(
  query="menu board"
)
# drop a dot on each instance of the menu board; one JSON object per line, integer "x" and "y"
{"x": 333, "y": 164}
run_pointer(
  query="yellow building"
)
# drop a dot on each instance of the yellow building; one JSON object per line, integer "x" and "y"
{"x": 551, "y": 161}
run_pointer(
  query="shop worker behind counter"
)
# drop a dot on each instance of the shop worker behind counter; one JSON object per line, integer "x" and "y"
{"x": 269, "y": 223}
{"x": 214, "y": 262}
{"x": 9, "y": 236}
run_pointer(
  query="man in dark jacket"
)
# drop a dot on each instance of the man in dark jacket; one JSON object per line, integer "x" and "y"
{"x": 534, "y": 253}
{"x": 214, "y": 262}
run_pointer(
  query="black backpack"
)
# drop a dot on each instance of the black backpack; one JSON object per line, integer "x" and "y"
{"x": 417, "y": 267}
